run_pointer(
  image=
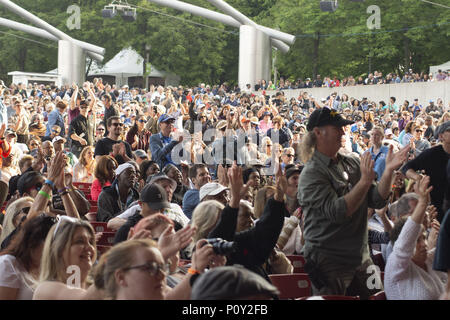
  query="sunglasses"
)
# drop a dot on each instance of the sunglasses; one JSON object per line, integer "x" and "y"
{"x": 101, "y": 129}
{"x": 151, "y": 267}
{"x": 289, "y": 155}
{"x": 57, "y": 131}
{"x": 418, "y": 130}
{"x": 142, "y": 121}
{"x": 115, "y": 124}
{"x": 83, "y": 107}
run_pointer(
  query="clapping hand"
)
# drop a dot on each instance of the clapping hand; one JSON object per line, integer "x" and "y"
{"x": 171, "y": 242}
{"x": 395, "y": 160}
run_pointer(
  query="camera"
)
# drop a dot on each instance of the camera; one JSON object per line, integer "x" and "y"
{"x": 221, "y": 246}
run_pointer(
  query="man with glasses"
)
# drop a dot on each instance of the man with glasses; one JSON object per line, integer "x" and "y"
{"x": 420, "y": 143}
{"x": 110, "y": 110}
{"x": 287, "y": 157}
{"x": 161, "y": 144}
{"x": 54, "y": 132}
{"x": 378, "y": 151}
{"x": 81, "y": 130}
{"x": 112, "y": 145}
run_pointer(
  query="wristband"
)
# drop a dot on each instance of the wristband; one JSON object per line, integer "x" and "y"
{"x": 45, "y": 194}
{"x": 193, "y": 271}
{"x": 192, "y": 279}
{"x": 63, "y": 189}
{"x": 49, "y": 182}
{"x": 64, "y": 193}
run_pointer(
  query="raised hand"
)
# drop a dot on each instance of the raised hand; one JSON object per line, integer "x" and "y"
{"x": 366, "y": 167}
{"x": 236, "y": 184}
{"x": 395, "y": 160}
{"x": 281, "y": 183}
{"x": 422, "y": 189}
{"x": 170, "y": 242}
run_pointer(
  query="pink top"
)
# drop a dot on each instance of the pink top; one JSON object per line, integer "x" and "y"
{"x": 264, "y": 126}
{"x": 96, "y": 188}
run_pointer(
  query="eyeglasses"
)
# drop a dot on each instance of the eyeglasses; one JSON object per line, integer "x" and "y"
{"x": 53, "y": 130}
{"x": 115, "y": 124}
{"x": 151, "y": 267}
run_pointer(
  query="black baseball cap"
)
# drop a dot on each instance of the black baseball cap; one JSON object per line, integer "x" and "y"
{"x": 324, "y": 116}
{"x": 154, "y": 196}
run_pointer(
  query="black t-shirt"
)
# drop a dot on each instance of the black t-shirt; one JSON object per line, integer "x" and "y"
{"x": 122, "y": 233}
{"x": 105, "y": 145}
{"x": 434, "y": 161}
{"x": 442, "y": 257}
{"x": 84, "y": 128}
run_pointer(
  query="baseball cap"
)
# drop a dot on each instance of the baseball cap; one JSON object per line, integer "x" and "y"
{"x": 324, "y": 116}
{"x": 211, "y": 189}
{"x": 245, "y": 119}
{"x": 388, "y": 132}
{"x": 139, "y": 153}
{"x": 155, "y": 197}
{"x": 254, "y": 120}
{"x": 121, "y": 168}
{"x": 25, "y": 181}
{"x": 221, "y": 124}
{"x": 165, "y": 117}
{"x": 10, "y": 132}
{"x": 443, "y": 127}
{"x": 230, "y": 283}
{"x": 292, "y": 170}
{"x": 163, "y": 176}
{"x": 58, "y": 138}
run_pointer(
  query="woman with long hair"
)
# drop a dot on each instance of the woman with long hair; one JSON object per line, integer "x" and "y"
{"x": 83, "y": 171}
{"x": 138, "y": 136}
{"x": 104, "y": 175}
{"x": 20, "y": 262}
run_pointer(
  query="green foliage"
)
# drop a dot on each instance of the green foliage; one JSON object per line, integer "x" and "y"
{"x": 336, "y": 43}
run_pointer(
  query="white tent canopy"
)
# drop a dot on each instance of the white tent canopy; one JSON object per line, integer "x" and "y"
{"x": 128, "y": 63}
{"x": 443, "y": 67}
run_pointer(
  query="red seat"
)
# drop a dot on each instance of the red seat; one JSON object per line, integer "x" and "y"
{"x": 107, "y": 239}
{"x": 100, "y": 226}
{"x": 292, "y": 286}
{"x": 82, "y": 185}
{"x": 93, "y": 203}
{"x": 298, "y": 262}
{"x": 378, "y": 296}
{"x": 91, "y": 216}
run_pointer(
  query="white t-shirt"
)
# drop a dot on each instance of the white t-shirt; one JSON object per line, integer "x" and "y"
{"x": 14, "y": 275}
{"x": 174, "y": 212}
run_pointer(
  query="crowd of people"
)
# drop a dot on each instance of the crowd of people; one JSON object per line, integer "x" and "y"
{"x": 372, "y": 78}
{"x": 209, "y": 185}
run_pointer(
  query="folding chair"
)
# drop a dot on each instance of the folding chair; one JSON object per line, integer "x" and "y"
{"x": 292, "y": 286}
{"x": 378, "y": 296}
{"x": 298, "y": 262}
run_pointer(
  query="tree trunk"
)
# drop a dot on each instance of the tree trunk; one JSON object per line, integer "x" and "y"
{"x": 22, "y": 58}
{"x": 406, "y": 52}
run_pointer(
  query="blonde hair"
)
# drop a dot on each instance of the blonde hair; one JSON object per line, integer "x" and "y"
{"x": 56, "y": 244}
{"x": 120, "y": 256}
{"x": 307, "y": 147}
{"x": 205, "y": 217}
{"x": 11, "y": 211}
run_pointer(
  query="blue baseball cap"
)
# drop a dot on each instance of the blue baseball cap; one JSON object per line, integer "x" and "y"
{"x": 165, "y": 117}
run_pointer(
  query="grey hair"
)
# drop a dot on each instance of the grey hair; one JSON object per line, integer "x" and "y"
{"x": 307, "y": 146}
{"x": 403, "y": 206}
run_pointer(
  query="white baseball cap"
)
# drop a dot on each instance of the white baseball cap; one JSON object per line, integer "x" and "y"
{"x": 211, "y": 189}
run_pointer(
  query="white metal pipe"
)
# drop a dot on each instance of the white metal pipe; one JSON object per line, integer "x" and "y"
{"x": 219, "y": 17}
{"x": 43, "y": 34}
{"x": 241, "y": 18}
{"x": 283, "y": 47}
{"x": 47, "y": 27}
